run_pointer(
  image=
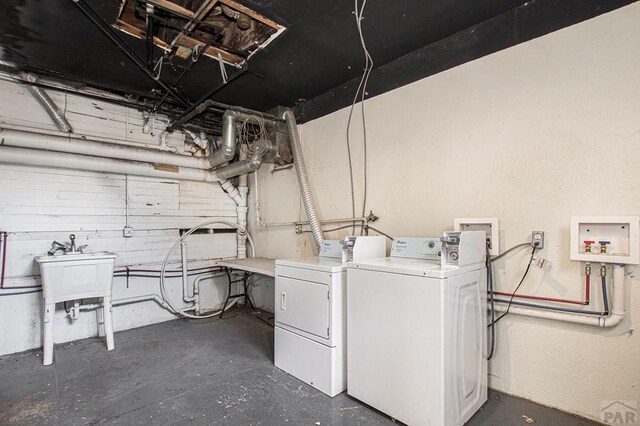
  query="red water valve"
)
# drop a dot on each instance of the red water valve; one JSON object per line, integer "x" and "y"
{"x": 587, "y": 246}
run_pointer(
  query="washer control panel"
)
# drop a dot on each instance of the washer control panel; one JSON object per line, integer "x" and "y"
{"x": 417, "y": 248}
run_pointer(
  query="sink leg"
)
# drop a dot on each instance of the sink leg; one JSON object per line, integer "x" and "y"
{"x": 100, "y": 321}
{"x": 108, "y": 322}
{"x": 47, "y": 336}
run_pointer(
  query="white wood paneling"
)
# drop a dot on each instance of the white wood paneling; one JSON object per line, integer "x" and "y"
{"x": 88, "y": 117}
{"x": 39, "y": 205}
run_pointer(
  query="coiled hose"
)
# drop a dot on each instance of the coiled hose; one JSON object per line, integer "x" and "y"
{"x": 173, "y": 248}
{"x": 303, "y": 180}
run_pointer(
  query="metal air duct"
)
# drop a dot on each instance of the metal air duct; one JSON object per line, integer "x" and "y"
{"x": 303, "y": 179}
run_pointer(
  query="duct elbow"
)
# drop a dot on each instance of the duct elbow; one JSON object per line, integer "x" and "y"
{"x": 238, "y": 168}
{"x": 253, "y": 165}
{"x": 229, "y": 115}
{"x": 227, "y": 149}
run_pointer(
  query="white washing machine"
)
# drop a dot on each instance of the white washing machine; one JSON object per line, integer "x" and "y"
{"x": 416, "y": 330}
{"x": 310, "y": 312}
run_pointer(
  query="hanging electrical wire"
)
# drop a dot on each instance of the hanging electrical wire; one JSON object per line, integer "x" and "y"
{"x": 492, "y": 324}
{"x": 367, "y": 227}
{"x": 251, "y": 130}
{"x": 368, "y": 68}
{"x": 526, "y": 272}
{"x": 361, "y": 94}
{"x": 158, "y": 68}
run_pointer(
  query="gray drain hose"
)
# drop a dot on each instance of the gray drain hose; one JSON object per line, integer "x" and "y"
{"x": 303, "y": 180}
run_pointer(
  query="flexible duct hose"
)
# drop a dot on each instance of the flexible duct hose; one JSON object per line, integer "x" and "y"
{"x": 49, "y": 106}
{"x": 303, "y": 180}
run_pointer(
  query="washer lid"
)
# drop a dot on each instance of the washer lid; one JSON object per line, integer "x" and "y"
{"x": 324, "y": 264}
{"x": 405, "y": 266}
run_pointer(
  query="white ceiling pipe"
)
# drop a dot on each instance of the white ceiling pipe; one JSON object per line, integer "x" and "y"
{"x": 31, "y": 140}
{"x": 617, "y": 308}
{"x": 90, "y": 138}
{"x": 34, "y": 157}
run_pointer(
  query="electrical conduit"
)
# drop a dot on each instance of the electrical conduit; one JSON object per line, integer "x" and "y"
{"x": 303, "y": 180}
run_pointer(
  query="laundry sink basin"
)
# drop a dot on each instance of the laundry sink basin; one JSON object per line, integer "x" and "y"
{"x": 76, "y": 276}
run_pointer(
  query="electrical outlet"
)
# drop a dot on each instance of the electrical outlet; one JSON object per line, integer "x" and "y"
{"x": 127, "y": 232}
{"x": 537, "y": 239}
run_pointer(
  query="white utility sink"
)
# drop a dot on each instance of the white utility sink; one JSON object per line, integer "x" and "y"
{"x": 76, "y": 276}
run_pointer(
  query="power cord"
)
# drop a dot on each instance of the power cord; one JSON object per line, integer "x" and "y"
{"x": 510, "y": 250}
{"x": 360, "y": 93}
{"x": 492, "y": 325}
{"x": 367, "y": 227}
{"x": 526, "y": 272}
{"x": 489, "y": 261}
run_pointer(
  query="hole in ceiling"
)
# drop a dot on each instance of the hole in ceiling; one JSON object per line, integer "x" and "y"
{"x": 223, "y": 28}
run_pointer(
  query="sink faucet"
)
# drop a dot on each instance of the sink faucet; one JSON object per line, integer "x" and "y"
{"x": 56, "y": 246}
{"x": 72, "y": 237}
{"x": 66, "y": 248}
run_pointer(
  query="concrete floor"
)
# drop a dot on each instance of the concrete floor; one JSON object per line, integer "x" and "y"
{"x": 203, "y": 372}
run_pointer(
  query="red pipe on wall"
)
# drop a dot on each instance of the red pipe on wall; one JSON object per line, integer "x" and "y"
{"x": 587, "y": 287}
{"x": 3, "y": 259}
{"x": 3, "y": 237}
{"x": 554, "y": 299}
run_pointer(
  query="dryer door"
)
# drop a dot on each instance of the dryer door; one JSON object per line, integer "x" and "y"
{"x": 303, "y": 305}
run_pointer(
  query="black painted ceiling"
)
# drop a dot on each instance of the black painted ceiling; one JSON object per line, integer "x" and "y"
{"x": 319, "y": 51}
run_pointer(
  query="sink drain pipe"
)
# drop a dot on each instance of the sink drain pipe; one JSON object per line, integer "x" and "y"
{"x": 303, "y": 179}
